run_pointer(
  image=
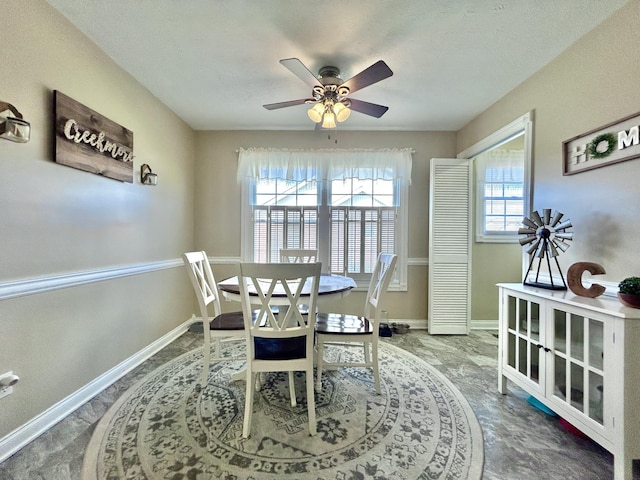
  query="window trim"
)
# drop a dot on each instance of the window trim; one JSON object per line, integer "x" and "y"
{"x": 521, "y": 125}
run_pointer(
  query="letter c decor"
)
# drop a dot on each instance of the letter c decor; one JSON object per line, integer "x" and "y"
{"x": 574, "y": 279}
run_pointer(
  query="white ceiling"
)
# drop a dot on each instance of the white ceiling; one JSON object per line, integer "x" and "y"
{"x": 216, "y": 62}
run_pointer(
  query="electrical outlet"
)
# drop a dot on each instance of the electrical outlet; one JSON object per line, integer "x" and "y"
{"x": 5, "y": 391}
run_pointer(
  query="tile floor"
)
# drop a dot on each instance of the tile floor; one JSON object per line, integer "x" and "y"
{"x": 520, "y": 441}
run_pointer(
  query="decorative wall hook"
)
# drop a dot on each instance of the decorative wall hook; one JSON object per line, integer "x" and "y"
{"x": 13, "y": 128}
{"x": 147, "y": 177}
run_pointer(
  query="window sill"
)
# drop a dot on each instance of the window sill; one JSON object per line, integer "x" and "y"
{"x": 363, "y": 286}
{"x": 497, "y": 238}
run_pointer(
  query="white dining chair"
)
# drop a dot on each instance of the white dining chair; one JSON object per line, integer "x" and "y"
{"x": 220, "y": 326}
{"x": 354, "y": 330}
{"x": 283, "y": 341}
{"x": 298, "y": 255}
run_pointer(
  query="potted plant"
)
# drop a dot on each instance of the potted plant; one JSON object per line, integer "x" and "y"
{"x": 629, "y": 292}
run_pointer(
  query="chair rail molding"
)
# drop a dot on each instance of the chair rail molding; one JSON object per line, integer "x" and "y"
{"x": 417, "y": 262}
{"x": 35, "y": 285}
{"x": 31, "y": 286}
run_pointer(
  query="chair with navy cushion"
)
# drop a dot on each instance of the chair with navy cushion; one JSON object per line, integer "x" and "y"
{"x": 279, "y": 340}
{"x": 354, "y": 330}
{"x": 220, "y": 326}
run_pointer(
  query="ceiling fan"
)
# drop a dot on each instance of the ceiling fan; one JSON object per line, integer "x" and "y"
{"x": 330, "y": 94}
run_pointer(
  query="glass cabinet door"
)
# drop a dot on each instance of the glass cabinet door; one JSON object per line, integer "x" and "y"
{"x": 578, "y": 362}
{"x": 523, "y": 337}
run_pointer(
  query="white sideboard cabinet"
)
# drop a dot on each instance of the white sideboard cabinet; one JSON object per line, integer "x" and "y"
{"x": 578, "y": 356}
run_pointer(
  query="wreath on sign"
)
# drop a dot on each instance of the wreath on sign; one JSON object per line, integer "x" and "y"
{"x": 605, "y": 137}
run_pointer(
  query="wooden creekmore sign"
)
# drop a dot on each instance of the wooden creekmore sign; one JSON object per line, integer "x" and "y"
{"x": 88, "y": 141}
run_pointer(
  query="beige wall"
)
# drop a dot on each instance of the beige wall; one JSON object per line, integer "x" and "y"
{"x": 218, "y": 230}
{"x": 56, "y": 220}
{"x": 493, "y": 263}
{"x": 593, "y": 83}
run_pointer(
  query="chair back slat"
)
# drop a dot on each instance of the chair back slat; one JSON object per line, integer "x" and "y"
{"x": 379, "y": 284}
{"x": 203, "y": 281}
{"x": 298, "y": 255}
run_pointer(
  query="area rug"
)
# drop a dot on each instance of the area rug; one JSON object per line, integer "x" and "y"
{"x": 164, "y": 427}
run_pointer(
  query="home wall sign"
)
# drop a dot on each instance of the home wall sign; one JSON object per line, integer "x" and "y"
{"x": 613, "y": 143}
{"x": 88, "y": 141}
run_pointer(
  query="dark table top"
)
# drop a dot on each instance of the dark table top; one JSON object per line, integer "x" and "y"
{"x": 329, "y": 284}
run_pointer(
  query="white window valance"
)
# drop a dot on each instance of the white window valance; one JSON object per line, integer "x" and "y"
{"x": 292, "y": 164}
{"x": 503, "y": 166}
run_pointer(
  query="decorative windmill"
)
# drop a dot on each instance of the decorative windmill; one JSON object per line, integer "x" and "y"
{"x": 546, "y": 237}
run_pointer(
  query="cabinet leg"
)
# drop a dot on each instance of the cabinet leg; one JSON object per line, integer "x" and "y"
{"x": 622, "y": 467}
{"x": 502, "y": 384}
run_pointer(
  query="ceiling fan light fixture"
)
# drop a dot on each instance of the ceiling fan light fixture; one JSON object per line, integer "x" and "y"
{"x": 330, "y": 103}
{"x": 315, "y": 112}
{"x": 342, "y": 111}
{"x": 329, "y": 120}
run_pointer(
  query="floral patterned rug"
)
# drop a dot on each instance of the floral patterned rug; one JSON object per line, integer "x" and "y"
{"x": 420, "y": 427}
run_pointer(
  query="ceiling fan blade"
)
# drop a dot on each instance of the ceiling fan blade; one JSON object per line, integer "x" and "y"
{"x": 376, "y": 72}
{"x": 290, "y": 103}
{"x": 371, "y": 109}
{"x": 301, "y": 71}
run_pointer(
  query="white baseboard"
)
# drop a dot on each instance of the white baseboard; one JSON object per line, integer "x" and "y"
{"x": 20, "y": 437}
{"x": 414, "y": 324}
{"x": 484, "y": 325}
{"x": 422, "y": 324}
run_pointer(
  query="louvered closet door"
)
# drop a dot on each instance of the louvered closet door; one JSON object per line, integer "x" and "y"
{"x": 449, "y": 246}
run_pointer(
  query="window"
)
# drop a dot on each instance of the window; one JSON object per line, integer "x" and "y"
{"x": 502, "y": 165}
{"x": 500, "y": 192}
{"x": 285, "y": 215}
{"x": 348, "y": 208}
